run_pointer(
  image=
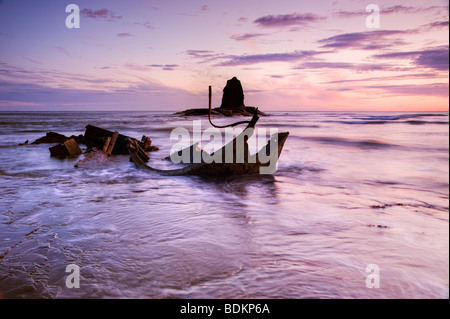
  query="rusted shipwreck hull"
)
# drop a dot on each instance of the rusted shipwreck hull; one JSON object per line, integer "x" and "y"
{"x": 99, "y": 137}
{"x": 113, "y": 143}
{"x": 241, "y": 164}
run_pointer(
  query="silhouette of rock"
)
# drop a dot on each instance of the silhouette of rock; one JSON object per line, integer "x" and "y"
{"x": 233, "y": 95}
{"x": 52, "y": 137}
{"x": 232, "y": 103}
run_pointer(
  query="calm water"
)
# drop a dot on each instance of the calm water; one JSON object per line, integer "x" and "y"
{"x": 352, "y": 189}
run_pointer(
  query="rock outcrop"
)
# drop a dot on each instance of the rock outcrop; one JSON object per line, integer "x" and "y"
{"x": 233, "y": 95}
{"x": 232, "y": 103}
{"x": 52, "y": 137}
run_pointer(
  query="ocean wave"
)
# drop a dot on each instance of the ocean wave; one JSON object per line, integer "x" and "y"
{"x": 295, "y": 170}
{"x": 26, "y": 174}
{"x": 419, "y": 204}
{"x": 387, "y": 119}
{"x": 364, "y": 144}
{"x": 361, "y": 122}
{"x": 291, "y": 125}
{"x": 32, "y": 131}
{"x": 398, "y": 117}
{"x": 374, "y": 122}
{"x": 417, "y": 122}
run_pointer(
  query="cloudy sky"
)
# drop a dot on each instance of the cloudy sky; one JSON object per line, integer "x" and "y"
{"x": 163, "y": 54}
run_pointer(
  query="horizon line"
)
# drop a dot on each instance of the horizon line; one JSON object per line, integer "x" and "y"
{"x": 174, "y": 111}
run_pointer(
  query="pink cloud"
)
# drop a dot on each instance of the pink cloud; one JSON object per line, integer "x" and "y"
{"x": 282, "y": 20}
{"x": 99, "y": 14}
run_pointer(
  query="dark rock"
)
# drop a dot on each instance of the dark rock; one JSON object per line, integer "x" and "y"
{"x": 199, "y": 112}
{"x": 52, "y": 137}
{"x": 232, "y": 103}
{"x": 233, "y": 95}
{"x": 246, "y": 111}
{"x": 79, "y": 139}
{"x": 59, "y": 151}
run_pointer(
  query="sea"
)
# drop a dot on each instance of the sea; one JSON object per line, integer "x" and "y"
{"x": 357, "y": 209}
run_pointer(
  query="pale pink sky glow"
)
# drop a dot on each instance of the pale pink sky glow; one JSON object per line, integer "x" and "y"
{"x": 163, "y": 55}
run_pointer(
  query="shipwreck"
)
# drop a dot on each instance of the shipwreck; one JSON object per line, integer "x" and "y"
{"x": 102, "y": 144}
{"x": 263, "y": 162}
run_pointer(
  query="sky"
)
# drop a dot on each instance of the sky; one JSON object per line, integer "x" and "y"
{"x": 161, "y": 55}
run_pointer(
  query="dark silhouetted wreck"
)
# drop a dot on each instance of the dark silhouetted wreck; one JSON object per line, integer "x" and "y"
{"x": 248, "y": 164}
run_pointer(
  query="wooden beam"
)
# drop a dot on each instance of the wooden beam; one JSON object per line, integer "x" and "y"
{"x": 106, "y": 146}
{"x": 72, "y": 147}
{"x": 112, "y": 143}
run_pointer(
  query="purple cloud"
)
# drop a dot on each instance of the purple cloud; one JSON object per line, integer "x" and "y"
{"x": 397, "y": 9}
{"x": 204, "y": 56}
{"x": 246, "y": 36}
{"x": 100, "y": 14}
{"x": 52, "y": 89}
{"x": 30, "y": 60}
{"x": 165, "y": 67}
{"x": 407, "y": 76}
{"x": 436, "y": 59}
{"x": 147, "y": 25}
{"x": 344, "y": 65}
{"x": 432, "y": 58}
{"x": 434, "y": 89}
{"x": 368, "y": 40}
{"x": 234, "y": 60}
{"x": 124, "y": 35}
{"x": 389, "y": 10}
{"x": 283, "y": 20}
{"x": 13, "y": 75}
{"x": 435, "y": 25}
{"x": 170, "y": 67}
{"x": 63, "y": 51}
{"x": 200, "y": 53}
{"x": 135, "y": 96}
{"x": 137, "y": 67}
